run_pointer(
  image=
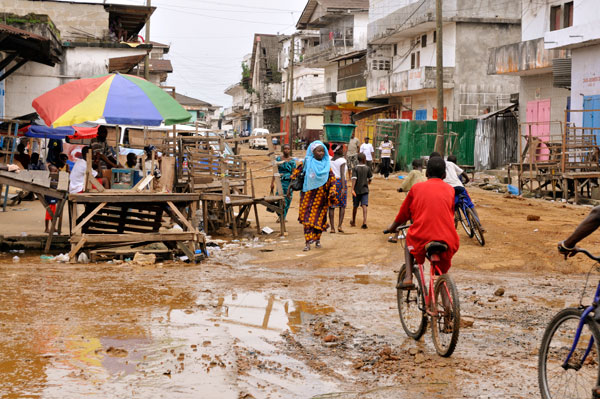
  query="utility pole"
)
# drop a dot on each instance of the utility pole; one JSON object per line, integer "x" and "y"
{"x": 291, "y": 80}
{"x": 147, "y": 59}
{"x": 439, "y": 74}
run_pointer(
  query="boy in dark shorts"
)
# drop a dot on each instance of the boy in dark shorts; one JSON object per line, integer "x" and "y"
{"x": 361, "y": 177}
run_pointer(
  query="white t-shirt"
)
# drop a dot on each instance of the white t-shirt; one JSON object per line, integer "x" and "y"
{"x": 386, "y": 149}
{"x": 452, "y": 173}
{"x": 77, "y": 177}
{"x": 368, "y": 150}
{"x": 336, "y": 167}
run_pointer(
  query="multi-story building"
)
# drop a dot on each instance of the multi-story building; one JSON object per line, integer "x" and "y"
{"x": 307, "y": 121}
{"x": 544, "y": 89}
{"x": 575, "y": 28}
{"x": 89, "y": 35}
{"x": 265, "y": 82}
{"x": 340, "y": 50}
{"x": 238, "y": 115}
{"x": 402, "y": 55}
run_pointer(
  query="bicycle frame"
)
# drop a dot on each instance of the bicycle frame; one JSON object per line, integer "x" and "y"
{"x": 430, "y": 297}
{"x": 585, "y": 313}
{"x": 462, "y": 204}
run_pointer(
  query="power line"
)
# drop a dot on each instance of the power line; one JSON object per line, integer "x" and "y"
{"x": 245, "y": 6}
{"x": 222, "y": 18}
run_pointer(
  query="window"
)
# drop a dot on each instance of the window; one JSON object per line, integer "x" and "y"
{"x": 435, "y": 36}
{"x": 415, "y": 60}
{"x": 555, "y": 12}
{"x": 568, "y": 14}
{"x": 395, "y": 49}
{"x": 380, "y": 65}
{"x": 424, "y": 41}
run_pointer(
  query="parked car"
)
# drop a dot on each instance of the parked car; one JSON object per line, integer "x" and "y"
{"x": 258, "y": 138}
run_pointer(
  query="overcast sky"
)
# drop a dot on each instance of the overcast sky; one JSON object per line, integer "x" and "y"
{"x": 209, "y": 38}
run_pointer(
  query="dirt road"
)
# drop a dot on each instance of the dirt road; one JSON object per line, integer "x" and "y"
{"x": 263, "y": 319}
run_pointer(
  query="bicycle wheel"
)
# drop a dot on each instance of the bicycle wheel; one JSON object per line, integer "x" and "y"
{"x": 446, "y": 324}
{"x": 411, "y": 305}
{"x": 581, "y": 375}
{"x": 464, "y": 221}
{"x": 476, "y": 227}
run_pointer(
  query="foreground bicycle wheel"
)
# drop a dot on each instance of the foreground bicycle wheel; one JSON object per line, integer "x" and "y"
{"x": 411, "y": 304}
{"x": 581, "y": 375}
{"x": 445, "y": 324}
{"x": 464, "y": 221}
{"x": 476, "y": 227}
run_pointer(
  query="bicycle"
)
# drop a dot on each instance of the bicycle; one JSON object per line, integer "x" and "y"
{"x": 468, "y": 219}
{"x": 567, "y": 369}
{"x": 438, "y": 301}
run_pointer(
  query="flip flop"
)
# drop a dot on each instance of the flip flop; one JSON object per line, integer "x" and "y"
{"x": 392, "y": 240}
{"x": 340, "y": 230}
{"x": 403, "y": 286}
{"x": 364, "y": 226}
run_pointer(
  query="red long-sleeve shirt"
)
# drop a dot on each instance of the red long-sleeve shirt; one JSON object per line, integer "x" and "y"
{"x": 430, "y": 205}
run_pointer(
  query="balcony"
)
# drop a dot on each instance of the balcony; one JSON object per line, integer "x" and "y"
{"x": 382, "y": 84}
{"x": 523, "y": 58}
{"x": 319, "y": 56}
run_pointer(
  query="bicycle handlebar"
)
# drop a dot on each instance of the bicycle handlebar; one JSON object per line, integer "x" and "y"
{"x": 588, "y": 254}
{"x": 404, "y": 227}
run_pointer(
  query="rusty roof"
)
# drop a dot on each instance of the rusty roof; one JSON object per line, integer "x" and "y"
{"x": 20, "y": 32}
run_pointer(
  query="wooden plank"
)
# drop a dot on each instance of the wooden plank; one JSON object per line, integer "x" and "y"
{"x": 80, "y": 243}
{"x": 167, "y": 174}
{"x": 37, "y": 177}
{"x": 95, "y": 183}
{"x": 181, "y": 217}
{"x": 153, "y": 237}
{"x": 131, "y": 197}
{"x": 187, "y": 251}
{"x": 63, "y": 181}
{"x": 34, "y": 188}
{"x": 87, "y": 218}
{"x": 142, "y": 184}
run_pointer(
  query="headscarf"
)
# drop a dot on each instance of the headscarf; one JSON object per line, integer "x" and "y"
{"x": 316, "y": 173}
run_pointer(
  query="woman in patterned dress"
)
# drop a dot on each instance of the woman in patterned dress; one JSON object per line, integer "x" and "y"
{"x": 286, "y": 166}
{"x": 318, "y": 193}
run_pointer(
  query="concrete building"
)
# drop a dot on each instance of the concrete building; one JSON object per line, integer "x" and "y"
{"x": 544, "y": 88}
{"x": 308, "y": 122}
{"x": 340, "y": 50}
{"x": 265, "y": 82}
{"x": 87, "y": 33}
{"x": 238, "y": 115}
{"x": 402, "y": 56}
{"x": 579, "y": 34}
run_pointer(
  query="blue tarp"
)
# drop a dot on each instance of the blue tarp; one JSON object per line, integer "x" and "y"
{"x": 44, "y": 132}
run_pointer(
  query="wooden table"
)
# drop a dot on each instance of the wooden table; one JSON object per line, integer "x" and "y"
{"x": 121, "y": 217}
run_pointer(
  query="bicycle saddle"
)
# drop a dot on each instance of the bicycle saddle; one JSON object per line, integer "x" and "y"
{"x": 435, "y": 247}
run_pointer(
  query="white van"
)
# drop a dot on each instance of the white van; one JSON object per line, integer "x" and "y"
{"x": 258, "y": 138}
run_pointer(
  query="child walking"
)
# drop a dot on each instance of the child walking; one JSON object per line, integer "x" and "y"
{"x": 361, "y": 178}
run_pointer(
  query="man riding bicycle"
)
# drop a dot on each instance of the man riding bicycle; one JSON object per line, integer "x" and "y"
{"x": 430, "y": 205}
{"x": 457, "y": 178}
{"x": 585, "y": 228}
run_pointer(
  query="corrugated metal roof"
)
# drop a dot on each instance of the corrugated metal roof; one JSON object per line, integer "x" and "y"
{"x": 160, "y": 65}
{"x": 185, "y": 100}
{"x": 20, "y": 32}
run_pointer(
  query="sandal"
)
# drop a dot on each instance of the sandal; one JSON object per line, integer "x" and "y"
{"x": 317, "y": 244}
{"x": 406, "y": 286}
{"x": 352, "y": 224}
{"x": 306, "y": 248}
{"x": 364, "y": 226}
{"x": 393, "y": 240}
{"x": 340, "y": 230}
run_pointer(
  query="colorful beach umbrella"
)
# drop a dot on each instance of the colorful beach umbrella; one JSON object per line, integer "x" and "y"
{"x": 119, "y": 99}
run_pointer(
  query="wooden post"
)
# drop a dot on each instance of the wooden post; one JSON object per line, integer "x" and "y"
{"x": 254, "y": 203}
{"x": 12, "y": 157}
